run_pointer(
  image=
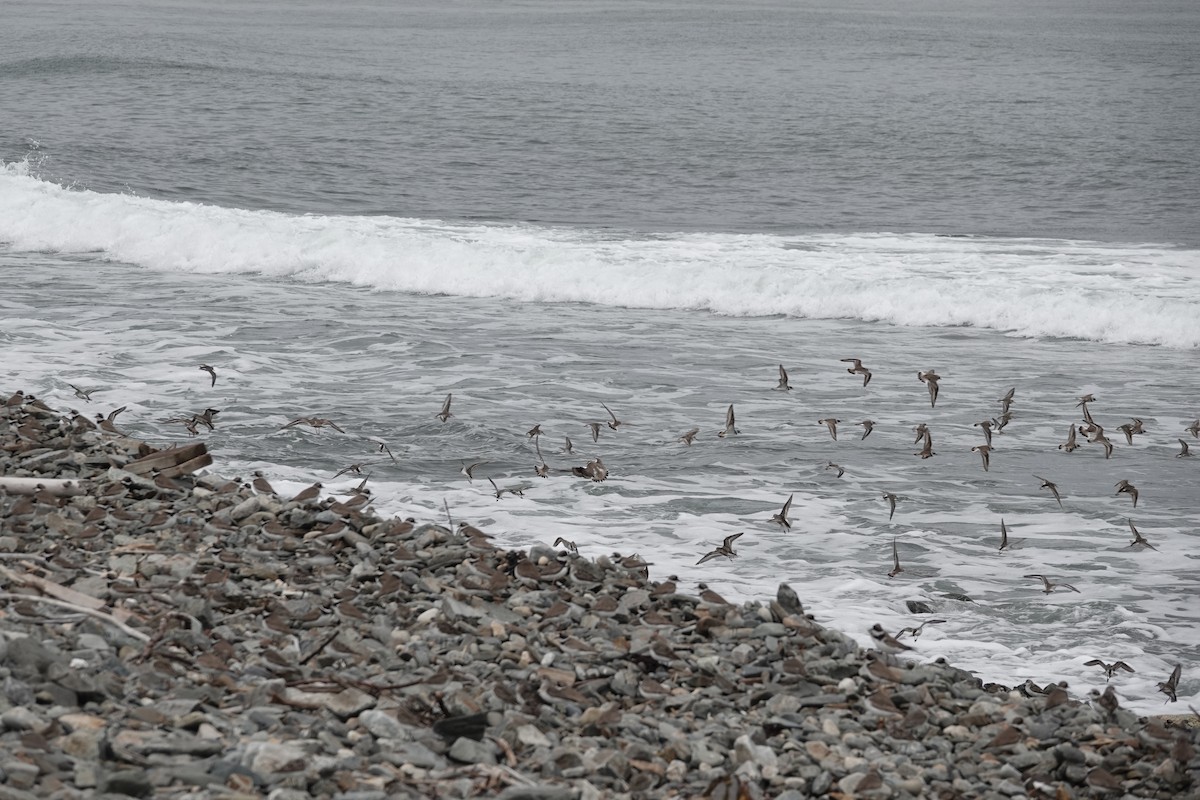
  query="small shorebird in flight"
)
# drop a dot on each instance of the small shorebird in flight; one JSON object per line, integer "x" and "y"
{"x": 688, "y": 436}
{"x": 1127, "y": 429}
{"x": 1004, "y": 545}
{"x": 891, "y": 499}
{"x": 926, "y": 450}
{"x": 1109, "y": 669}
{"x": 614, "y": 423}
{"x": 986, "y": 426}
{"x": 567, "y": 446}
{"x": 1049, "y": 587}
{"x": 830, "y": 465}
{"x": 922, "y": 431}
{"x": 868, "y": 426}
{"x": 567, "y": 543}
{"x": 1002, "y": 421}
{"x": 383, "y": 448}
{"x": 501, "y": 492}
{"x": 81, "y": 394}
{"x": 1124, "y": 486}
{"x": 984, "y": 453}
{"x": 316, "y": 422}
{"x": 916, "y": 632}
{"x": 1007, "y": 400}
{"x": 1070, "y": 443}
{"x": 896, "y": 568}
{"x": 1138, "y": 539}
{"x": 595, "y": 427}
{"x": 831, "y": 423}
{"x": 1184, "y": 450}
{"x": 782, "y": 516}
{"x": 857, "y": 368}
{"x": 212, "y": 373}
{"x": 1083, "y": 403}
{"x": 1052, "y": 486}
{"x": 534, "y": 432}
{"x": 885, "y": 642}
{"x": 542, "y": 469}
{"x": 469, "y": 470}
{"x": 783, "y": 379}
{"x": 730, "y": 428}
{"x": 593, "y": 469}
{"x": 726, "y": 549}
{"x": 1104, "y": 442}
{"x": 1194, "y": 429}
{"x": 930, "y": 379}
{"x": 357, "y": 469}
{"x": 445, "y": 414}
{"x": 1171, "y": 685}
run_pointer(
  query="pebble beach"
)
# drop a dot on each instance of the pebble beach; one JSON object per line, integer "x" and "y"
{"x": 170, "y": 633}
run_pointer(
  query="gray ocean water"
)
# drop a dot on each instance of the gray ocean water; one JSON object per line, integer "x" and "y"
{"x": 354, "y": 210}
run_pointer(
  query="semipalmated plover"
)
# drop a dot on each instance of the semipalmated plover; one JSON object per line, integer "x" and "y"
{"x": 1138, "y": 539}
{"x": 1171, "y": 685}
{"x": 830, "y": 465}
{"x": 885, "y": 642}
{"x": 896, "y": 568}
{"x": 1069, "y": 444}
{"x": 986, "y": 425}
{"x": 81, "y": 394}
{"x": 109, "y": 423}
{"x": 1007, "y": 400}
{"x": 1049, "y": 587}
{"x": 383, "y": 448}
{"x": 730, "y": 428}
{"x": 542, "y": 470}
{"x": 857, "y": 368}
{"x": 316, "y": 422}
{"x": 831, "y": 424}
{"x": 1002, "y": 421}
{"x": 261, "y": 485}
{"x": 212, "y": 373}
{"x": 1105, "y": 443}
{"x": 930, "y": 379}
{"x": 922, "y": 431}
{"x": 868, "y": 426}
{"x": 567, "y": 543}
{"x": 891, "y": 499}
{"x": 1126, "y": 429}
{"x": 311, "y": 493}
{"x": 355, "y": 468}
{"x": 927, "y": 450}
{"x": 783, "y": 379}
{"x": 1124, "y": 486}
{"x": 1109, "y": 669}
{"x": 595, "y": 428}
{"x": 1052, "y": 486}
{"x": 916, "y": 632}
{"x": 984, "y": 453}
{"x": 1184, "y": 450}
{"x": 726, "y": 549}
{"x": 782, "y": 516}
{"x": 689, "y": 436}
{"x": 593, "y": 469}
{"x": 496, "y": 490}
{"x": 1083, "y": 404}
{"x": 445, "y": 414}
{"x": 614, "y": 423}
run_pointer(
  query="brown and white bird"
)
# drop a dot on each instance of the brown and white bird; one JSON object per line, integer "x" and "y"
{"x": 930, "y": 379}
{"x": 984, "y": 453}
{"x": 726, "y": 549}
{"x": 926, "y": 450}
{"x": 1138, "y": 539}
{"x": 469, "y": 470}
{"x": 534, "y": 432}
{"x": 831, "y": 424}
{"x": 315, "y": 422}
{"x": 85, "y": 395}
{"x": 613, "y": 423}
{"x": 1184, "y": 450}
{"x": 896, "y": 568}
{"x": 688, "y": 436}
{"x": 305, "y": 495}
{"x": 1052, "y": 486}
{"x": 782, "y": 516}
{"x": 1049, "y": 587}
{"x": 212, "y": 373}
{"x": 891, "y": 499}
{"x": 986, "y": 425}
{"x": 885, "y": 642}
{"x": 1109, "y": 669}
{"x": 1171, "y": 685}
{"x": 1194, "y": 429}
{"x": 868, "y": 426}
{"x": 1007, "y": 400}
{"x": 730, "y": 427}
{"x": 1124, "y": 486}
{"x": 568, "y": 445}
{"x": 445, "y": 414}
{"x": 857, "y": 368}
{"x": 916, "y": 632}
{"x": 1004, "y": 544}
{"x": 783, "y": 380}
{"x": 840, "y": 471}
{"x": 1070, "y": 443}
{"x": 595, "y": 428}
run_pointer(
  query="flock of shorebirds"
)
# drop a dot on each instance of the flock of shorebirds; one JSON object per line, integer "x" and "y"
{"x": 595, "y": 470}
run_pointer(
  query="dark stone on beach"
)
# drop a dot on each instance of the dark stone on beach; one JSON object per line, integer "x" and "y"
{"x": 471, "y": 726}
{"x": 130, "y": 782}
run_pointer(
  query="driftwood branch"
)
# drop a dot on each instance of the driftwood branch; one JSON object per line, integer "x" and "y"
{"x": 100, "y": 615}
{"x": 55, "y": 486}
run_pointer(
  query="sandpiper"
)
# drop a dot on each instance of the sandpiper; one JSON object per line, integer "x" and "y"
{"x": 261, "y": 485}
{"x": 831, "y": 424}
{"x": 1138, "y": 539}
{"x": 534, "y": 432}
{"x": 783, "y": 380}
{"x": 857, "y": 368}
{"x": 311, "y": 493}
{"x": 383, "y": 447}
{"x": 1004, "y": 545}
{"x": 1104, "y": 442}
{"x": 1109, "y": 669}
{"x": 567, "y": 543}
{"x": 830, "y": 465}
{"x": 896, "y": 568}
{"x": 1127, "y": 429}
{"x": 726, "y": 549}
{"x": 730, "y": 428}
{"x": 594, "y": 470}
{"x": 1171, "y": 684}
{"x": 212, "y": 373}
{"x": 108, "y": 423}
{"x": 501, "y": 492}
{"x": 1069, "y": 444}
{"x": 891, "y": 499}
{"x": 782, "y": 516}
{"x": 688, "y": 436}
{"x": 1007, "y": 400}
{"x": 82, "y": 394}
{"x": 568, "y": 447}
{"x": 1083, "y": 403}
{"x": 542, "y": 469}
{"x": 316, "y": 422}
{"x": 1124, "y": 486}
{"x": 930, "y": 379}
{"x": 595, "y": 427}
{"x": 1002, "y": 421}
{"x": 927, "y": 450}
{"x": 445, "y": 414}
{"x": 1049, "y": 587}
{"x": 357, "y": 469}
{"x": 468, "y": 470}
{"x": 868, "y": 426}
{"x": 984, "y": 453}
{"x": 922, "y": 431}
{"x": 1184, "y": 450}
{"x": 885, "y": 642}
{"x": 1052, "y": 486}
{"x": 614, "y": 423}
{"x": 916, "y": 632}
{"x": 986, "y": 425}
{"x": 1194, "y": 429}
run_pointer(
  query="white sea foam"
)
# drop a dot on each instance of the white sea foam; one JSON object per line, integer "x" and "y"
{"x": 1127, "y": 294}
